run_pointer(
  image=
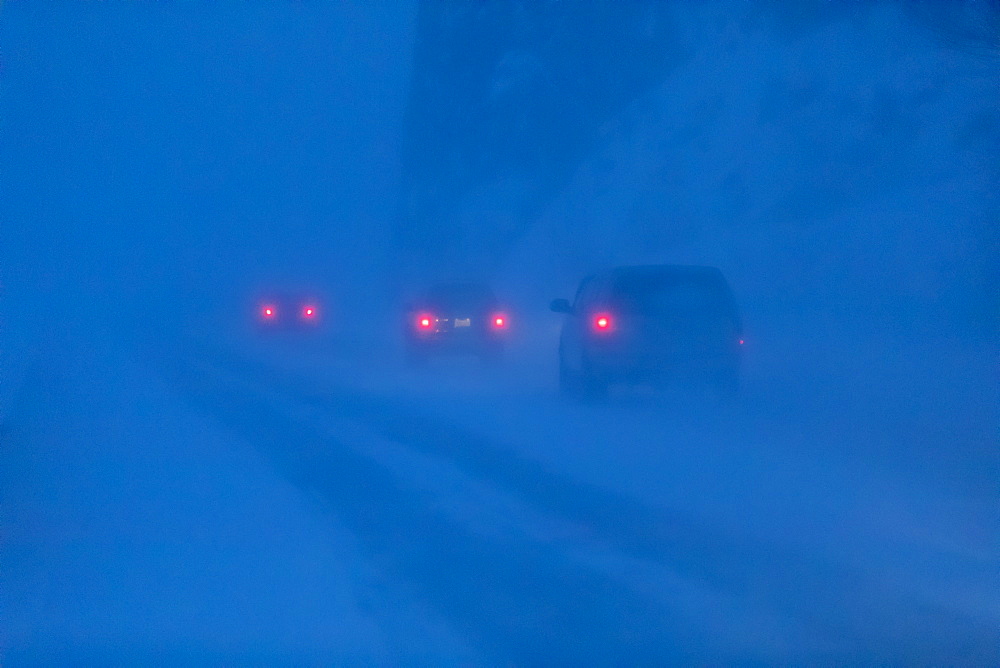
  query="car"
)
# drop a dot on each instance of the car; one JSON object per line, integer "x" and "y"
{"x": 457, "y": 318}
{"x": 654, "y": 324}
{"x": 288, "y": 312}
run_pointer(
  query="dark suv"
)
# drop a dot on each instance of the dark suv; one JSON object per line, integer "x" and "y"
{"x": 456, "y": 318}
{"x": 650, "y": 324}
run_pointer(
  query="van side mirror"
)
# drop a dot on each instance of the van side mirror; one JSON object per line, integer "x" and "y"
{"x": 560, "y": 306}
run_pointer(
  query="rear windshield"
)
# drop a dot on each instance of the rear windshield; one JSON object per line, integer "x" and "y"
{"x": 460, "y": 297}
{"x": 681, "y": 295}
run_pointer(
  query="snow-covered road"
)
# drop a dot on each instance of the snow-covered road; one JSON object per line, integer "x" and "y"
{"x": 274, "y": 500}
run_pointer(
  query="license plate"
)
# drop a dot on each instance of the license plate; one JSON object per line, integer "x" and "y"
{"x": 463, "y": 322}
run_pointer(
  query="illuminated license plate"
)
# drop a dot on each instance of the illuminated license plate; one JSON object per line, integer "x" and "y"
{"x": 463, "y": 322}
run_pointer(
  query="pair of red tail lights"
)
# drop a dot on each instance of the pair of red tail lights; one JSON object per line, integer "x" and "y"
{"x": 427, "y": 322}
{"x": 271, "y": 312}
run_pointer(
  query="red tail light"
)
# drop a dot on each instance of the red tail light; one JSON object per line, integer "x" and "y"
{"x": 741, "y": 342}
{"x": 309, "y": 311}
{"x": 425, "y": 322}
{"x": 268, "y": 311}
{"x": 602, "y": 322}
{"x": 499, "y": 321}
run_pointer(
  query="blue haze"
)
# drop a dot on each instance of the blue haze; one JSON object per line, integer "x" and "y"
{"x": 176, "y": 486}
